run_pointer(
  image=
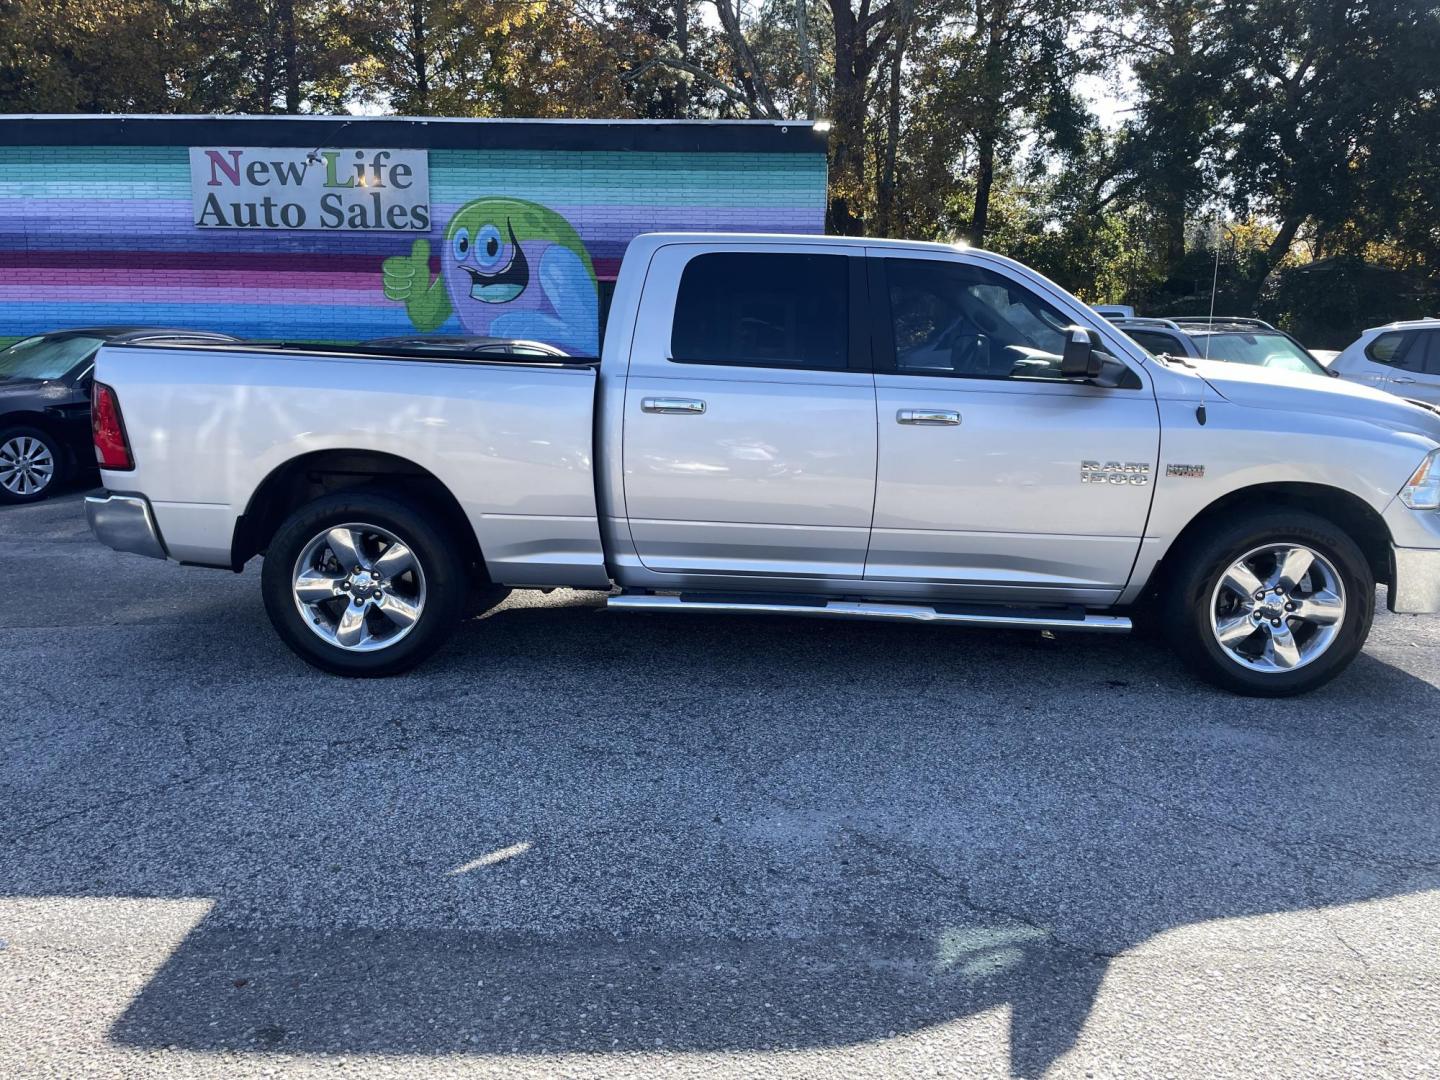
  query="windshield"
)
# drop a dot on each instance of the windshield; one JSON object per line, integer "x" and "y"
{"x": 46, "y": 357}
{"x": 1260, "y": 350}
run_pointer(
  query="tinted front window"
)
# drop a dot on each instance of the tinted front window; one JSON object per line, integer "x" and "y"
{"x": 767, "y": 310}
{"x": 46, "y": 358}
{"x": 951, "y": 319}
{"x": 1259, "y": 350}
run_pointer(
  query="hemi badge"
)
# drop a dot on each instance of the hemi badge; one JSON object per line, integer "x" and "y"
{"x": 1192, "y": 471}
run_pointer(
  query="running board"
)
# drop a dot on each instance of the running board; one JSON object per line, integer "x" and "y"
{"x": 953, "y": 614}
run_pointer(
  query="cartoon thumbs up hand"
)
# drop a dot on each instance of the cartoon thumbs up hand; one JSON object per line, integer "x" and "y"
{"x": 407, "y": 275}
{"x": 407, "y": 279}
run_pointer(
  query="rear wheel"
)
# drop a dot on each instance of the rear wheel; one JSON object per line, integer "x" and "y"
{"x": 32, "y": 464}
{"x": 363, "y": 584}
{"x": 1272, "y": 606}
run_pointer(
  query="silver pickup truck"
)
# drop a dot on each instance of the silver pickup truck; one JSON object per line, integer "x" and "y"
{"x": 795, "y": 425}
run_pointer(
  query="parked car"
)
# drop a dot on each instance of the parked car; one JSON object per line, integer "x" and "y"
{"x": 460, "y": 343}
{"x": 723, "y": 455}
{"x": 1236, "y": 340}
{"x": 1402, "y": 358}
{"x": 45, "y": 403}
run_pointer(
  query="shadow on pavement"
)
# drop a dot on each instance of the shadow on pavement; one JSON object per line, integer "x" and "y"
{"x": 580, "y": 832}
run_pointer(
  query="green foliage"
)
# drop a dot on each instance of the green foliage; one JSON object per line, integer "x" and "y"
{"x": 1325, "y": 301}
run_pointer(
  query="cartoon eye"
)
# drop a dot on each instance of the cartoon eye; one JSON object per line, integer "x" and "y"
{"x": 489, "y": 248}
{"x": 460, "y": 244}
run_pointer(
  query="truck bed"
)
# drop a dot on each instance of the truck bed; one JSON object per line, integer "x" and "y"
{"x": 510, "y": 437}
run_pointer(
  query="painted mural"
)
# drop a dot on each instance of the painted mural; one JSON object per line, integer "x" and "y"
{"x": 523, "y": 242}
{"x": 508, "y": 268}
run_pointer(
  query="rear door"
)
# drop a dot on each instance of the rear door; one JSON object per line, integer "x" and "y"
{"x": 996, "y": 477}
{"x": 749, "y": 439}
{"x": 1376, "y": 364}
{"x": 1416, "y": 372}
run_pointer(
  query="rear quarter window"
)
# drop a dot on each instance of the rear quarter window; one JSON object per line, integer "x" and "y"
{"x": 1391, "y": 347}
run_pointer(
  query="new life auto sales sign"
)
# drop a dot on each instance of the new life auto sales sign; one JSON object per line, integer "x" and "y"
{"x": 259, "y": 187}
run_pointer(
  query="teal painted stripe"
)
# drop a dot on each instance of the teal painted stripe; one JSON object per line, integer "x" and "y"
{"x": 597, "y": 179}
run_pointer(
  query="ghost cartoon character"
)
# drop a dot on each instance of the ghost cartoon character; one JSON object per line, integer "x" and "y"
{"x": 509, "y": 268}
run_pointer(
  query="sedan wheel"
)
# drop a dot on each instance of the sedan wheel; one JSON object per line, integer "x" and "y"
{"x": 29, "y": 465}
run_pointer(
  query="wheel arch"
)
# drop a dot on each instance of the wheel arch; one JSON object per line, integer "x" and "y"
{"x": 307, "y": 477}
{"x": 1347, "y": 511}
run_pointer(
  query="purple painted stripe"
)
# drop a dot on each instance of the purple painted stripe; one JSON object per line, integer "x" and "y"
{"x": 207, "y": 277}
{"x": 125, "y": 294}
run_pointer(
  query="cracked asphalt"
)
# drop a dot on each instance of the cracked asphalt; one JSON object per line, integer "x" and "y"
{"x": 593, "y": 844}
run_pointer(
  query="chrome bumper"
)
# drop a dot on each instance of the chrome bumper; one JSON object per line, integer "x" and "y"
{"x": 1416, "y": 588}
{"x": 125, "y": 523}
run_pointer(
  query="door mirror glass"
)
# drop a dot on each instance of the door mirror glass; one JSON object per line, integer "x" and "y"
{"x": 1079, "y": 360}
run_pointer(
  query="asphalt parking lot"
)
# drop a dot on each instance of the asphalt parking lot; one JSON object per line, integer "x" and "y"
{"x": 582, "y": 843}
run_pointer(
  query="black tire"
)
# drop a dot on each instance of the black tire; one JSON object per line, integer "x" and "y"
{"x": 1196, "y": 569}
{"x": 58, "y": 461}
{"x": 446, "y": 585}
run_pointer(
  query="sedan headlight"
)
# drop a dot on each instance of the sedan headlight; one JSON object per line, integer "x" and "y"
{"x": 1423, "y": 490}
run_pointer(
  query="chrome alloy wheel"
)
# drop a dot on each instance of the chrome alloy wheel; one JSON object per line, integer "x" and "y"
{"x": 1278, "y": 608}
{"x": 26, "y": 465}
{"x": 358, "y": 587}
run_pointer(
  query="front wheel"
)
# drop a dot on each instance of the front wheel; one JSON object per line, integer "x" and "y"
{"x": 362, "y": 584}
{"x": 1271, "y": 606}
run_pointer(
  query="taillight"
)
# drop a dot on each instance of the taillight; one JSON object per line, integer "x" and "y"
{"x": 112, "y": 448}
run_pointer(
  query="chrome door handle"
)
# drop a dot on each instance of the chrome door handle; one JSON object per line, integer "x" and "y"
{"x": 1401, "y": 379}
{"x": 681, "y": 406}
{"x": 928, "y": 417}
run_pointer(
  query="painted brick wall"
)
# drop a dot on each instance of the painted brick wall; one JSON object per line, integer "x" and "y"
{"x": 104, "y": 234}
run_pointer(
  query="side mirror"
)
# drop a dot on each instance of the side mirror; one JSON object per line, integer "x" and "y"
{"x": 1079, "y": 360}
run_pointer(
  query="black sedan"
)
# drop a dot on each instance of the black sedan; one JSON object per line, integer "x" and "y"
{"x": 45, "y": 403}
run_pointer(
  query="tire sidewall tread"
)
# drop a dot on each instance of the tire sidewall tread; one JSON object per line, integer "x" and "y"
{"x": 446, "y": 581}
{"x": 57, "y": 454}
{"x": 1208, "y": 554}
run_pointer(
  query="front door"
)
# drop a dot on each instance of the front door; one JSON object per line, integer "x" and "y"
{"x": 749, "y": 439}
{"x": 997, "y": 477}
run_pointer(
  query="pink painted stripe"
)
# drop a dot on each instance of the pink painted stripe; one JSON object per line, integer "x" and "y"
{"x": 163, "y": 279}
{"x": 192, "y": 294}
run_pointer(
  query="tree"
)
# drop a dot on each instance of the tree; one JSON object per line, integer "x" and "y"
{"x": 1316, "y": 83}
{"x": 1003, "y": 75}
{"x": 1177, "y": 56}
{"x": 91, "y": 56}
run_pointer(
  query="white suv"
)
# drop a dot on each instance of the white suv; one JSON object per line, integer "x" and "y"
{"x": 1403, "y": 358}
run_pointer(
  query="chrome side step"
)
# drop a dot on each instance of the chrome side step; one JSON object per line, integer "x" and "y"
{"x": 952, "y": 614}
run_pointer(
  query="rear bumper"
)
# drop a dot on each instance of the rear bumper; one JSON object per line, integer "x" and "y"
{"x": 125, "y": 523}
{"x": 1416, "y": 588}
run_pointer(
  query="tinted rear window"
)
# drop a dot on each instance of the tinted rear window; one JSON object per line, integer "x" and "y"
{"x": 1388, "y": 348}
{"x": 763, "y": 309}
